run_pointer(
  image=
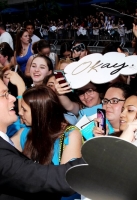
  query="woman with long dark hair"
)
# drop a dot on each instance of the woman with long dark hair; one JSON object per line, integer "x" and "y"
{"x": 50, "y": 137}
{"x": 23, "y": 49}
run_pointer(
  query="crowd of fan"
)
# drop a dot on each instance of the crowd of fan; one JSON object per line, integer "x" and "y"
{"x": 48, "y": 110}
{"x": 99, "y": 26}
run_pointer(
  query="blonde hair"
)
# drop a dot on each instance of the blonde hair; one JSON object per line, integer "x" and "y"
{"x": 63, "y": 60}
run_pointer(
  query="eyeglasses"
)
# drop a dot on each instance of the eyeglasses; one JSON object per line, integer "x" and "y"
{"x": 112, "y": 101}
{"x": 6, "y": 95}
{"x": 89, "y": 91}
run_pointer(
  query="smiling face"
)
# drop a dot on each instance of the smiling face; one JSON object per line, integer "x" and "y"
{"x": 25, "y": 113}
{"x": 129, "y": 112}
{"x": 113, "y": 111}
{"x": 39, "y": 70}
{"x": 88, "y": 98}
{"x": 7, "y": 113}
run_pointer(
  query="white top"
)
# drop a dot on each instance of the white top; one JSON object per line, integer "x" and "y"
{"x": 6, "y": 37}
{"x": 35, "y": 39}
{"x": 84, "y": 198}
{"x": 53, "y": 56}
{"x": 135, "y": 142}
{"x": 5, "y": 137}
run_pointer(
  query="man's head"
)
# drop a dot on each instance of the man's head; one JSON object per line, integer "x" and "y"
{"x": 113, "y": 101}
{"x": 7, "y": 113}
{"x": 29, "y": 26}
{"x": 2, "y": 28}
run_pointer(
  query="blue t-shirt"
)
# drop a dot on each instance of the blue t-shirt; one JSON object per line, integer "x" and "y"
{"x": 89, "y": 111}
{"x": 56, "y": 152}
{"x": 87, "y": 131}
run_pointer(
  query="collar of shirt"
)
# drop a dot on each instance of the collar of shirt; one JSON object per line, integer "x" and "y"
{"x": 4, "y": 136}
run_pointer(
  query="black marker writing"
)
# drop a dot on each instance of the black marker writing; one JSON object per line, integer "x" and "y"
{"x": 98, "y": 64}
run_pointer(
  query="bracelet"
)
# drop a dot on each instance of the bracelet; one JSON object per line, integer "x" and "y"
{"x": 19, "y": 97}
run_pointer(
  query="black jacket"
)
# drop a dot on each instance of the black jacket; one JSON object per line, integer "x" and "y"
{"x": 21, "y": 177}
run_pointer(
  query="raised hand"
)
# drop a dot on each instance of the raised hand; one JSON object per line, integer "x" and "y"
{"x": 62, "y": 88}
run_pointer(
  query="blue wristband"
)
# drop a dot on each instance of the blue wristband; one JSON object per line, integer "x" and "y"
{"x": 19, "y": 97}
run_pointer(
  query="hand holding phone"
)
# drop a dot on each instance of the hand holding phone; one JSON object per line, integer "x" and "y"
{"x": 101, "y": 114}
{"x": 60, "y": 74}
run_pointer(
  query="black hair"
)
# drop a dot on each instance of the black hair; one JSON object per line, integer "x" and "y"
{"x": 124, "y": 87}
{"x": 34, "y": 47}
{"x": 29, "y": 23}
{"x": 111, "y": 47}
{"x": 46, "y": 79}
{"x": 6, "y": 50}
{"x": 41, "y": 44}
{"x": 64, "y": 47}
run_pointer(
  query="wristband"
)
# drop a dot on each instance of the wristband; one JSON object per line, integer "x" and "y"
{"x": 19, "y": 97}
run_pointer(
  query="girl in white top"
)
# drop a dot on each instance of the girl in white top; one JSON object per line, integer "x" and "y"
{"x": 42, "y": 47}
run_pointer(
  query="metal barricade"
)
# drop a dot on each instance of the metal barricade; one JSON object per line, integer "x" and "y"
{"x": 96, "y": 49}
{"x": 99, "y": 49}
{"x": 53, "y": 48}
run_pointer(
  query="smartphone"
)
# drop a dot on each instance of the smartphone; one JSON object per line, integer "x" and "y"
{"x": 101, "y": 114}
{"x": 60, "y": 74}
{"x": 79, "y": 47}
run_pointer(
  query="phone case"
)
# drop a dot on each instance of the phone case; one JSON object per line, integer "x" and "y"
{"x": 60, "y": 74}
{"x": 101, "y": 113}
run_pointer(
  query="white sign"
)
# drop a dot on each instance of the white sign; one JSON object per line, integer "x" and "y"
{"x": 99, "y": 68}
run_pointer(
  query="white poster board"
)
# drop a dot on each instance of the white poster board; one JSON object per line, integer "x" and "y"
{"x": 99, "y": 68}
